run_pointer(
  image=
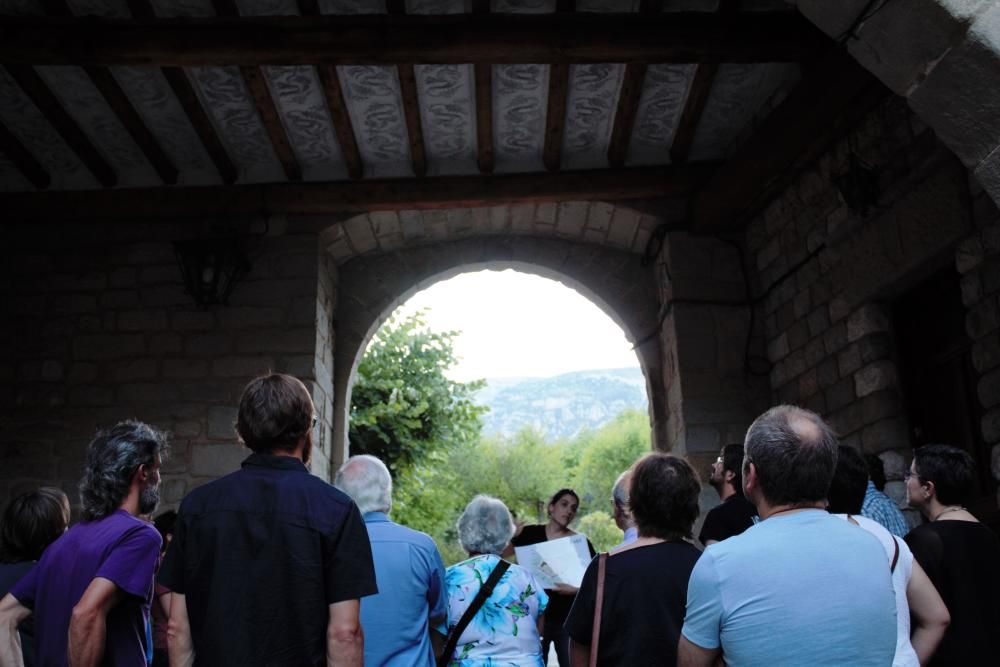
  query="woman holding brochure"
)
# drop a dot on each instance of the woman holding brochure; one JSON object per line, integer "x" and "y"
{"x": 645, "y": 582}
{"x": 562, "y": 510}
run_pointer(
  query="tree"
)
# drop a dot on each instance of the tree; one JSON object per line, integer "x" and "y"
{"x": 606, "y": 453}
{"x": 403, "y": 406}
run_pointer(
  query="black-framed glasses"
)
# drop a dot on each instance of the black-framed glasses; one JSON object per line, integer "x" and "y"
{"x": 315, "y": 421}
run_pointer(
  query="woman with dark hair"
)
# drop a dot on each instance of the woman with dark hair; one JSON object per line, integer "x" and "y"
{"x": 31, "y": 522}
{"x": 645, "y": 582}
{"x": 562, "y": 511}
{"x": 958, "y": 553}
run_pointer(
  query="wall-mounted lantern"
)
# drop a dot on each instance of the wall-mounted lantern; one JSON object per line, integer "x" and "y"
{"x": 211, "y": 267}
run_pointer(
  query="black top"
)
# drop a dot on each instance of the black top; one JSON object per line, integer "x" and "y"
{"x": 260, "y": 554}
{"x": 961, "y": 558}
{"x": 559, "y": 604}
{"x": 645, "y": 594}
{"x": 10, "y": 574}
{"x": 732, "y": 517}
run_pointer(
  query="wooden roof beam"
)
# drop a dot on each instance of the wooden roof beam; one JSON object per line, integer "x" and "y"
{"x": 694, "y": 106}
{"x": 414, "y": 39}
{"x": 38, "y": 92}
{"x": 484, "y": 116}
{"x": 628, "y": 106}
{"x": 22, "y": 158}
{"x": 832, "y": 97}
{"x": 367, "y": 195}
{"x": 555, "y": 117}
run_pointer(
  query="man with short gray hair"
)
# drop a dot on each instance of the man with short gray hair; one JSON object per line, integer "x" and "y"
{"x": 622, "y": 514}
{"x": 801, "y": 587}
{"x": 408, "y": 568}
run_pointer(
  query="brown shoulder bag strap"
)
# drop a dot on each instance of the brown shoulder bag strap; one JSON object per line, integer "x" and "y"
{"x": 595, "y": 635}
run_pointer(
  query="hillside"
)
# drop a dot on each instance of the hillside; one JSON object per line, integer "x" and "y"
{"x": 562, "y": 405}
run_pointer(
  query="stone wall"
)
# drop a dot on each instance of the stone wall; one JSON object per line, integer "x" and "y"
{"x": 824, "y": 272}
{"x": 978, "y": 260}
{"x": 98, "y": 328}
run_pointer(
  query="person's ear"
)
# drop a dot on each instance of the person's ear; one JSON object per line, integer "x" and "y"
{"x": 728, "y": 476}
{"x": 749, "y": 479}
{"x": 929, "y": 490}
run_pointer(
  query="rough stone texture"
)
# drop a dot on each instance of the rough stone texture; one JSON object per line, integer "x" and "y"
{"x": 894, "y": 464}
{"x": 137, "y": 346}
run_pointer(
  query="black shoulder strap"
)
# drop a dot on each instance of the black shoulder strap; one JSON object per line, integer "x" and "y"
{"x": 895, "y": 556}
{"x": 470, "y": 613}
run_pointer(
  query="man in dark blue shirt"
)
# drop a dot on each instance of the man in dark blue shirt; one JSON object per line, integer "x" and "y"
{"x": 268, "y": 564}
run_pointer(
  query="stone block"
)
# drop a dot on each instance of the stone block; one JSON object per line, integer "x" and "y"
{"x": 385, "y": 223}
{"x": 499, "y": 221}
{"x": 546, "y": 214}
{"x": 849, "y": 360}
{"x": 599, "y": 216}
{"x": 165, "y": 343}
{"x": 880, "y": 405}
{"x": 988, "y": 389}
{"x": 192, "y": 320}
{"x": 875, "y": 377}
{"x": 875, "y": 347}
{"x": 186, "y": 429}
{"x": 840, "y": 394}
{"x": 572, "y": 219}
{"x": 818, "y": 321}
{"x": 360, "y": 235}
{"x": 768, "y": 254}
{"x": 703, "y": 438}
{"x": 209, "y": 344}
{"x": 815, "y": 352}
{"x": 969, "y": 254}
{"x": 91, "y": 395}
{"x": 278, "y": 340}
{"x": 82, "y": 373}
{"x": 624, "y": 223}
{"x": 989, "y": 277}
{"x": 778, "y": 348}
{"x": 991, "y": 425}
{"x": 982, "y": 318}
{"x": 884, "y": 434}
{"x": 173, "y": 490}
{"x": 868, "y": 319}
{"x": 798, "y": 335}
{"x": 185, "y": 368}
{"x": 827, "y": 373}
{"x": 108, "y": 346}
{"x": 988, "y": 175}
{"x": 986, "y": 352}
{"x": 839, "y": 309}
{"x": 52, "y": 371}
{"x": 142, "y": 320}
{"x": 246, "y": 367}
{"x": 808, "y": 384}
{"x": 995, "y": 462}
{"x": 161, "y": 393}
{"x": 847, "y": 420}
{"x": 138, "y": 369}
{"x": 217, "y": 460}
{"x": 220, "y": 423}
{"x": 835, "y": 338}
{"x": 251, "y": 317}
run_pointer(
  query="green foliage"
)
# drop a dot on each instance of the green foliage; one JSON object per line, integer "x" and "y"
{"x": 605, "y": 453}
{"x": 601, "y": 529}
{"x": 403, "y": 406}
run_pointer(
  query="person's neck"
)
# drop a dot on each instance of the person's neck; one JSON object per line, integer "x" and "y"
{"x": 726, "y": 492}
{"x": 765, "y": 510}
{"x": 937, "y": 511}
{"x": 131, "y": 502}
{"x": 554, "y": 529}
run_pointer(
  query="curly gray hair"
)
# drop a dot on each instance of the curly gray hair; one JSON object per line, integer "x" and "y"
{"x": 485, "y": 526}
{"x": 113, "y": 456}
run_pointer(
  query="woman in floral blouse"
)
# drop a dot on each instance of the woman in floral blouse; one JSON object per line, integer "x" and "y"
{"x": 506, "y": 629}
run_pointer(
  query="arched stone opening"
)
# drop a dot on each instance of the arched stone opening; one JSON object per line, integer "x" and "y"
{"x": 617, "y": 282}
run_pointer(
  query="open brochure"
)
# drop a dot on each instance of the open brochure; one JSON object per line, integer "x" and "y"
{"x": 561, "y": 561}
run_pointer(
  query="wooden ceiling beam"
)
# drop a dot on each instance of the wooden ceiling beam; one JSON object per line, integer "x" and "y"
{"x": 484, "y": 116}
{"x": 253, "y": 77}
{"x": 411, "y": 112}
{"x": 390, "y": 40}
{"x": 368, "y": 195}
{"x": 38, "y": 92}
{"x": 22, "y": 158}
{"x": 555, "y": 117}
{"x": 628, "y": 106}
{"x": 694, "y": 106}
{"x": 831, "y": 98}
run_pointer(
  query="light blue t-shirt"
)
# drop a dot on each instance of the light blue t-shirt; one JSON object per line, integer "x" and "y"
{"x": 411, "y": 596}
{"x": 804, "y": 588}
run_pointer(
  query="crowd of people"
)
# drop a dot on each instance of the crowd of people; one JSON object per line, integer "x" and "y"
{"x": 804, "y": 562}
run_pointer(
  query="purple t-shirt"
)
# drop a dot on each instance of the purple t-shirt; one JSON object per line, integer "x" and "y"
{"x": 120, "y": 548}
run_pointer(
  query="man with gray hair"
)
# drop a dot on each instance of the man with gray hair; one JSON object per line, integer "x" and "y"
{"x": 801, "y": 587}
{"x": 92, "y": 589}
{"x": 408, "y": 569}
{"x": 622, "y": 514}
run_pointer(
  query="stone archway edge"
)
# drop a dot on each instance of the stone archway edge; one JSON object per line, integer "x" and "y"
{"x": 943, "y": 56}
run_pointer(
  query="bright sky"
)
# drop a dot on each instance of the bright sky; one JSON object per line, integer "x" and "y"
{"x": 520, "y": 325}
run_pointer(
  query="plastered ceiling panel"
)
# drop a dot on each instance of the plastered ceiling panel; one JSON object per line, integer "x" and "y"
{"x": 352, "y": 6}
{"x": 155, "y": 102}
{"x": 376, "y": 110}
{"x": 448, "y": 117}
{"x": 298, "y": 96}
{"x": 179, "y": 8}
{"x": 438, "y": 6}
{"x": 520, "y": 98}
{"x": 224, "y": 96}
{"x": 590, "y": 113}
{"x": 108, "y": 9}
{"x": 268, "y": 7}
{"x": 607, "y": 6}
{"x": 35, "y": 133}
{"x": 81, "y": 99}
{"x": 741, "y": 95}
{"x": 661, "y": 103}
{"x": 523, "y": 6}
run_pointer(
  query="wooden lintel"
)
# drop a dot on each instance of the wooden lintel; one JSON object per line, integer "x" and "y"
{"x": 391, "y": 39}
{"x": 832, "y": 97}
{"x": 348, "y": 196}
{"x": 22, "y": 158}
{"x": 202, "y": 124}
{"x": 411, "y": 111}
{"x": 484, "y": 116}
{"x": 341, "y": 120}
{"x": 694, "y": 106}
{"x": 253, "y": 77}
{"x": 133, "y": 123}
{"x": 35, "y": 88}
{"x": 555, "y": 118}
{"x": 628, "y": 105}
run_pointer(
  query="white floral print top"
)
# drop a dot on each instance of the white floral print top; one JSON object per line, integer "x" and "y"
{"x": 504, "y": 632}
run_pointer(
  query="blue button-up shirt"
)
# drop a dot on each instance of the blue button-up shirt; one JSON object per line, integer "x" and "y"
{"x": 411, "y": 596}
{"x": 879, "y": 507}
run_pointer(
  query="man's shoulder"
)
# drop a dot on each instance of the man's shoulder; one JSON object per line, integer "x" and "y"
{"x": 391, "y": 531}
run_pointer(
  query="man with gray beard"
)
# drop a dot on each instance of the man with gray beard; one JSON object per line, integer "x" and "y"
{"x": 92, "y": 589}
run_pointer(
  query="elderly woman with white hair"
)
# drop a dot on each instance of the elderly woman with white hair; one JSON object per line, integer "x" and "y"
{"x": 506, "y": 628}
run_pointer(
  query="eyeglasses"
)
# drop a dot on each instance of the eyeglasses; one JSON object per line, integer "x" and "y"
{"x": 908, "y": 474}
{"x": 718, "y": 461}
{"x": 315, "y": 421}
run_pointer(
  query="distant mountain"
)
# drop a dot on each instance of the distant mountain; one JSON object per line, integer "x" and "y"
{"x": 563, "y": 405}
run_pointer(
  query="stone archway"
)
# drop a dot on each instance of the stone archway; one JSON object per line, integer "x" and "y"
{"x": 616, "y": 281}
